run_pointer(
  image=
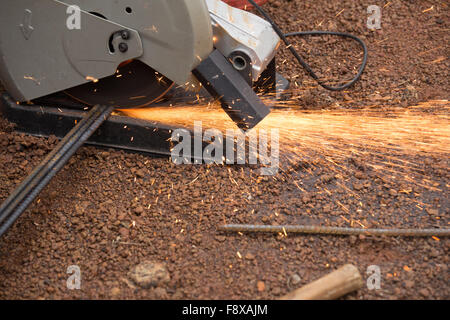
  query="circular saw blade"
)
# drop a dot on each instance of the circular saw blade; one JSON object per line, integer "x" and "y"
{"x": 134, "y": 85}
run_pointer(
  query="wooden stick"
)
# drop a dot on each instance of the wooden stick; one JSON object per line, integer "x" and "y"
{"x": 332, "y": 286}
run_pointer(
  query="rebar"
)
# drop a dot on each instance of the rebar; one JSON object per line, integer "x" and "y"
{"x": 338, "y": 231}
{"x": 30, "y": 188}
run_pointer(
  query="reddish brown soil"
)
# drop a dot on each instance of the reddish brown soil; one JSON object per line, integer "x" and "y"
{"x": 109, "y": 210}
{"x": 408, "y": 58}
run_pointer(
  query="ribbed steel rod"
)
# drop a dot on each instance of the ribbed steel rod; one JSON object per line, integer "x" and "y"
{"x": 28, "y": 190}
{"x": 12, "y": 201}
{"x": 301, "y": 229}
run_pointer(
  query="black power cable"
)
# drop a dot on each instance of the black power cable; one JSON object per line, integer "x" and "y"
{"x": 302, "y": 62}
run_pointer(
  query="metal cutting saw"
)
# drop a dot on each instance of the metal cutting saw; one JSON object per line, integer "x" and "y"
{"x": 126, "y": 53}
{"x": 66, "y": 65}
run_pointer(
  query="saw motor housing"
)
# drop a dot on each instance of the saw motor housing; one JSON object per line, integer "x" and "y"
{"x": 42, "y": 53}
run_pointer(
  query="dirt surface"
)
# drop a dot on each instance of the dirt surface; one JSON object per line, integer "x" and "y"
{"x": 108, "y": 210}
{"x": 408, "y": 56}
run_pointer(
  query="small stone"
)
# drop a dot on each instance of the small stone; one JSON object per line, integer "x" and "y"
{"x": 140, "y": 173}
{"x": 358, "y": 186}
{"x": 295, "y": 279}
{"x": 124, "y": 233}
{"x": 178, "y": 295}
{"x": 276, "y": 4}
{"x": 276, "y": 291}
{"x": 52, "y": 139}
{"x": 160, "y": 293}
{"x": 249, "y": 256}
{"x": 360, "y": 175}
{"x": 409, "y": 284}
{"x": 424, "y": 292}
{"x": 50, "y": 290}
{"x": 261, "y": 286}
{"x": 197, "y": 238}
{"x": 434, "y": 253}
{"x": 115, "y": 292}
{"x": 220, "y": 238}
{"x": 393, "y": 192}
{"x": 306, "y": 198}
{"x": 80, "y": 208}
{"x": 139, "y": 210}
{"x": 149, "y": 274}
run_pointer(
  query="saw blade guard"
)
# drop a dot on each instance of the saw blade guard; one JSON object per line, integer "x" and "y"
{"x": 43, "y": 48}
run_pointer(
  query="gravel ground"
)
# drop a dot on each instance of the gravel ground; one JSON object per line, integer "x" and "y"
{"x": 108, "y": 211}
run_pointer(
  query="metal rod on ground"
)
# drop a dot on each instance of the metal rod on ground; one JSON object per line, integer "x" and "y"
{"x": 65, "y": 144}
{"x": 28, "y": 190}
{"x": 339, "y": 231}
{"x": 332, "y": 286}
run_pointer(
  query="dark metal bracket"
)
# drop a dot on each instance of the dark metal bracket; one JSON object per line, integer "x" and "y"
{"x": 227, "y": 85}
{"x": 116, "y": 132}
